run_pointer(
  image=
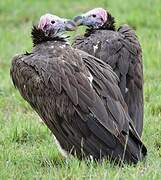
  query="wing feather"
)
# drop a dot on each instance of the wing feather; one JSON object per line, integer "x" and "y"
{"x": 122, "y": 51}
{"x": 78, "y": 111}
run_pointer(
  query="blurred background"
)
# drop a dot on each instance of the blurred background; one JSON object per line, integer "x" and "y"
{"x": 26, "y": 146}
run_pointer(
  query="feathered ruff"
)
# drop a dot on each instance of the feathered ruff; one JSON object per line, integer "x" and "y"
{"x": 38, "y": 36}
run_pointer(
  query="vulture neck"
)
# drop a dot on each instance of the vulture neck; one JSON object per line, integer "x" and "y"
{"x": 108, "y": 25}
{"x": 38, "y": 37}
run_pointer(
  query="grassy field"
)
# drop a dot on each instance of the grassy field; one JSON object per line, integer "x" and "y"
{"x": 27, "y": 150}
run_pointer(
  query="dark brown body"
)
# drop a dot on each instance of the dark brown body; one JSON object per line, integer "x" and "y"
{"x": 122, "y": 51}
{"x": 78, "y": 98}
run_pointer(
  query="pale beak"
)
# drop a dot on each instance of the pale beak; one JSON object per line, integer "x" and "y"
{"x": 79, "y": 20}
{"x": 70, "y": 25}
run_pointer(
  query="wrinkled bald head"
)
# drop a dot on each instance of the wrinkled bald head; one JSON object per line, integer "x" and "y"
{"x": 99, "y": 13}
{"x": 52, "y": 25}
{"x": 94, "y": 18}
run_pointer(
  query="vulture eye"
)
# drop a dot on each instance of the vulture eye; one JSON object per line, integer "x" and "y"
{"x": 52, "y": 22}
{"x": 94, "y": 15}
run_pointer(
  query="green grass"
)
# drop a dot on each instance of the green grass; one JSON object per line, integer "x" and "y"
{"x": 27, "y": 150}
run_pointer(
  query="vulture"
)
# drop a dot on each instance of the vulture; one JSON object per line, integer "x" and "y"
{"x": 76, "y": 95}
{"x": 121, "y": 50}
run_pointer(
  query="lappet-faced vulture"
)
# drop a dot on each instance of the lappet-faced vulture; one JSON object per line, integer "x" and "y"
{"x": 76, "y": 95}
{"x": 121, "y": 50}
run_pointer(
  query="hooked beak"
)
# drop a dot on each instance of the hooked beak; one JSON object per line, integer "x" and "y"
{"x": 70, "y": 25}
{"x": 79, "y": 20}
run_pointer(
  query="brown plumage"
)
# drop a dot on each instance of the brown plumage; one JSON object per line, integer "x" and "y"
{"x": 78, "y": 98}
{"x": 121, "y": 50}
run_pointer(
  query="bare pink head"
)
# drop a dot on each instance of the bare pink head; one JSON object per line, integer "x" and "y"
{"x": 52, "y": 24}
{"x": 94, "y": 18}
{"x": 98, "y": 12}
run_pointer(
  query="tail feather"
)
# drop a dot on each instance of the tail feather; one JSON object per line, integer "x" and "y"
{"x": 126, "y": 148}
